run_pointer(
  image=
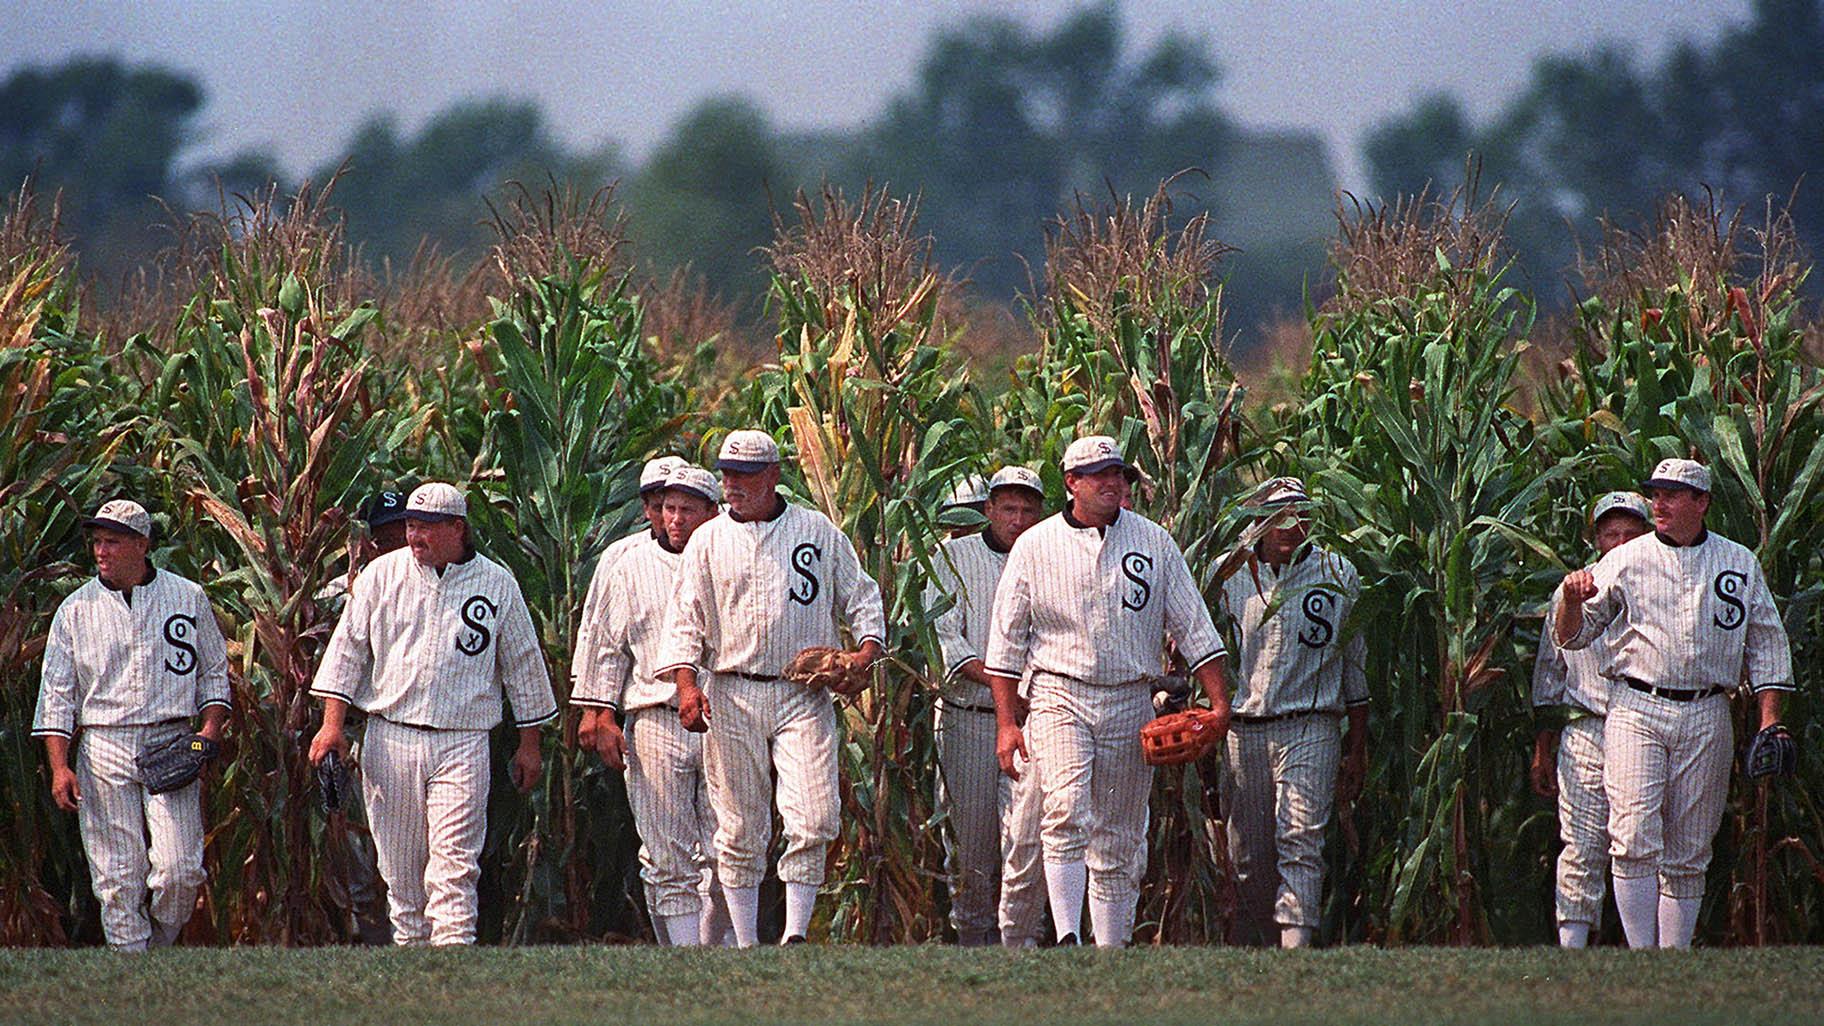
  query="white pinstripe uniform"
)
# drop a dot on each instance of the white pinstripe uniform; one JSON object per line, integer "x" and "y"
{"x": 1296, "y": 671}
{"x": 122, "y": 675}
{"x": 1087, "y": 612}
{"x": 428, "y": 657}
{"x": 665, "y": 781}
{"x": 652, "y": 478}
{"x": 750, "y": 596}
{"x": 1695, "y": 622}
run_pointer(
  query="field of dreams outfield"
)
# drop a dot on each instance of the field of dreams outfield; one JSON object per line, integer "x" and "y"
{"x": 585, "y": 984}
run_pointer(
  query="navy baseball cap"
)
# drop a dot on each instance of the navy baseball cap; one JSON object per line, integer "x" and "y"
{"x": 384, "y": 508}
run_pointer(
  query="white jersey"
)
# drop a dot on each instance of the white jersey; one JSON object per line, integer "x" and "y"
{"x": 1097, "y": 606}
{"x": 620, "y": 672}
{"x": 1566, "y": 677}
{"x": 1294, "y": 655}
{"x": 1691, "y": 617}
{"x": 967, "y": 571}
{"x": 115, "y": 664}
{"x": 753, "y": 594}
{"x": 432, "y": 650}
{"x": 594, "y": 606}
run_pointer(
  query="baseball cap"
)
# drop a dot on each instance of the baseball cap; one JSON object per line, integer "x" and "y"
{"x": 1626, "y": 502}
{"x": 383, "y": 507}
{"x": 122, "y": 515}
{"x": 1281, "y": 491}
{"x": 434, "y": 501}
{"x": 747, "y": 451}
{"x": 654, "y": 473}
{"x": 969, "y": 491}
{"x": 696, "y": 481}
{"x": 1016, "y": 477}
{"x": 1677, "y": 473}
{"x": 1092, "y": 453}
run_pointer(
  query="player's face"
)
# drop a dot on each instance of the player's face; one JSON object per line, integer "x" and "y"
{"x": 120, "y": 556}
{"x": 436, "y": 543}
{"x": 652, "y": 504}
{"x": 389, "y": 536}
{"x": 1679, "y": 512}
{"x": 751, "y": 496}
{"x": 682, "y": 513}
{"x": 1617, "y": 527}
{"x": 1097, "y": 497}
{"x": 1011, "y": 510}
{"x": 1281, "y": 542}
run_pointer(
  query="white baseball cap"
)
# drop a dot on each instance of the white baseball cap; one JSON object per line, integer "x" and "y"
{"x": 1016, "y": 476}
{"x": 969, "y": 491}
{"x": 1282, "y": 491}
{"x": 1092, "y": 453}
{"x": 696, "y": 481}
{"x": 654, "y": 473}
{"x": 122, "y": 515}
{"x": 747, "y": 451}
{"x": 434, "y": 501}
{"x": 1626, "y": 502}
{"x": 1677, "y": 473}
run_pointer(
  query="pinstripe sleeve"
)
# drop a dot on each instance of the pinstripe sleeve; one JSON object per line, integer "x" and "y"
{"x": 212, "y": 652}
{"x": 1187, "y": 618}
{"x": 687, "y": 622}
{"x": 1010, "y": 630}
{"x": 857, "y": 594}
{"x": 1355, "y": 671}
{"x": 1768, "y": 655}
{"x": 614, "y": 649}
{"x": 523, "y": 675}
{"x": 349, "y": 656}
{"x": 1601, "y": 611}
{"x": 1550, "y": 669}
{"x": 583, "y": 661}
{"x": 56, "y": 713}
{"x": 951, "y": 639}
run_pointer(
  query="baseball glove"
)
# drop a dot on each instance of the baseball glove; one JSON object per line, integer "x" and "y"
{"x": 1772, "y": 752}
{"x": 331, "y": 784}
{"x": 822, "y": 667}
{"x": 1180, "y": 737}
{"x": 175, "y": 763}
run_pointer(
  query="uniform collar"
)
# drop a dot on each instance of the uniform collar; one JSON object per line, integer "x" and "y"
{"x": 778, "y": 511}
{"x": 1070, "y": 517}
{"x": 126, "y": 594}
{"x": 993, "y": 543}
{"x": 1703, "y": 535}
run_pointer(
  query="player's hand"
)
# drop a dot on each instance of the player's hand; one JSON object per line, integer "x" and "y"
{"x": 1008, "y": 742}
{"x": 610, "y": 743}
{"x": 326, "y": 741}
{"x": 64, "y": 789}
{"x": 1580, "y": 586}
{"x": 1350, "y": 778}
{"x": 858, "y": 678}
{"x": 693, "y": 708}
{"x": 528, "y": 762}
{"x": 1544, "y": 775}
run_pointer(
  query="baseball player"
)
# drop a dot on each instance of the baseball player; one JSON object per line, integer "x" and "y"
{"x": 1571, "y": 696}
{"x": 664, "y": 762}
{"x": 970, "y": 785}
{"x": 757, "y": 586}
{"x": 652, "y": 484}
{"x": 133, "y": 657}
{"x": 432, "y": 637}
{"x": 1086, "y": 605}
{"x": 1298, "y": 674}
{"x": 1693, "y": 620}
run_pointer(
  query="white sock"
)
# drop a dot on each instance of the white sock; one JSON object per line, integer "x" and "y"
{"x": 1573, "y": 935}
{"x": 1637, "y": 899}
{"x": 744, "y": 914}
{"x": 713, "y": 928}
{"x": 1294, "y": 937}
{"x": 1111, "y": 921}
{"x": 1019, "y": 942}
{"x": 1065, "y": 883}
{"x": 1677, "y": 920}
{"x": 684, "y": 931}
{"x": 800, "y": 904}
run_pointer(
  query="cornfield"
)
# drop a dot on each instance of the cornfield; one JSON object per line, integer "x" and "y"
{"x": 262, "y": 383}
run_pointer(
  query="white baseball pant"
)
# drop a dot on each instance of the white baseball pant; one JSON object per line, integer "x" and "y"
{"x": 1667, "y": 777}
{"x": 1022, "y": 903}
{"x": 759, "y": 729}
{"x": 1583, "y": 822}
{"x": 968, "y": 792}
{"x": 669, "y": 794}
{"x": 145, "y": 850}
{"x": 1085, "y": 742}
{"x": 427, "y": 804}
{"x": 1279, "y": 785}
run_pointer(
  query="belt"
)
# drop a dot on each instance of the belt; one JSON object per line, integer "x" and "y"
{"x": 1275, "y": 718}
{"x": 989, "y": 709}
{"x": 402, "y": 723}
{"x": 758, "y": 678}
{"x": 1675, "y": 694}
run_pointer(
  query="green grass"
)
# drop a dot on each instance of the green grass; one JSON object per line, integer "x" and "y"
{"x": 1206, "y": 986}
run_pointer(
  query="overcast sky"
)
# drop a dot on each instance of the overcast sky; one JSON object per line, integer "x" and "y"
{"x": 296, "y": 78}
